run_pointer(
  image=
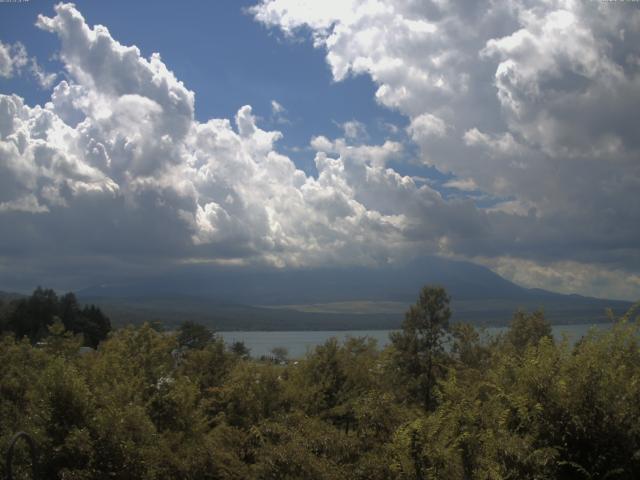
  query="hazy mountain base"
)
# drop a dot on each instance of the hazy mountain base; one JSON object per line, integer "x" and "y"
{"x": 331, "y": 298}
{"x": 171, "y": 310}
{"x": 356, "y": 315}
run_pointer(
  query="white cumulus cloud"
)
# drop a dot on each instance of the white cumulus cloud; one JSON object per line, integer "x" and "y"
{"x": 116, "y": 164}
{"x": 532, "y": 101}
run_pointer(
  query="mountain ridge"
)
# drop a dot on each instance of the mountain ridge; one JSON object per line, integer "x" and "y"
{"x": 279, "y": 299}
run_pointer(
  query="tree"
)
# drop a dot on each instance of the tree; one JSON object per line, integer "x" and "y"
{"x": 94, "y": 324}
{"x": 467, "y": 347}
{"x": 69, "y": 311}
{"x": 194, "y": 335}
{"x": 3, "y": 315}
{"x": 60, "y": 341}
{"x": 279, "y": 354}
{"x": 528, "y": 329}
{"x": 240, "y": 349}
{"x": 420, "y": 342}
{"x": 32, "y": 316}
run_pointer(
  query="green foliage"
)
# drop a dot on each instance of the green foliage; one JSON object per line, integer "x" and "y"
{"x": 32, "y": 317}
{"x": 279, "y": 354}
{"x": 240, "y": 349}
{"x": 521, "y": 406}
{"x": 207, "y": 367}
{"x": 252, "y": 392}
{"x": 420, "y": 345}
{"x": 194, "y": 335}
{"x": 527, "y": 329}
{"x": 467, "y": 348}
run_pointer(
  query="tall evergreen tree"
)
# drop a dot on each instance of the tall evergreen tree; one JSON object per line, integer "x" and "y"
{"x": 420, "y": 343}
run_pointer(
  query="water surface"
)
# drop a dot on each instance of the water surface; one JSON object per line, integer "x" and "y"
{"x": 298, "y": 343}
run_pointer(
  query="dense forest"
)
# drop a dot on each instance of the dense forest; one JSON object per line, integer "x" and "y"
{"x": 33, "y": 317}
{"x": 440, "y": 402}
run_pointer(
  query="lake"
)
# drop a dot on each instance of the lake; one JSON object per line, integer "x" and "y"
{"x": 298, "y": 343}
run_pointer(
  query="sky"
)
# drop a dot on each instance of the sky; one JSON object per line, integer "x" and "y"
{"x": 139, "y": 137}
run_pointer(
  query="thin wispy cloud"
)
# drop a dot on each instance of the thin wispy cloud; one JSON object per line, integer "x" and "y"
{"x": 14, "y": 61}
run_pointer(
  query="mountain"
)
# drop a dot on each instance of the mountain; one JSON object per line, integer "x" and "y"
{"x": 8, "y": 296}
{"x": 463, "y": 280}
{"x": 332, "y": 298}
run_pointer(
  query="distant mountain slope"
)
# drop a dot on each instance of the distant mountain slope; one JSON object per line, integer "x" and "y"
{"x": 171, "y": 311}
{"x": 463, "y": 280}
{"x": 232, "y": 299}
{"x": 8, "y": 296}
